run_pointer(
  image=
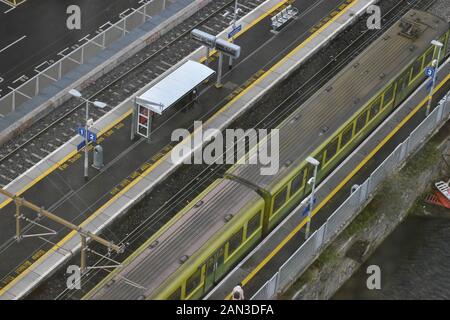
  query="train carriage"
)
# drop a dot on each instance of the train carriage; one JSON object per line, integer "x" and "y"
{"x": 195, "y": 249}
{"x": 208, "y": 237}
{"x": 341, "y": 114}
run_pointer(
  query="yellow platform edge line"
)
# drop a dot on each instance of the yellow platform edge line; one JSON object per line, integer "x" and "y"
{"x": 140, "y": 177}
{"x": 63, "y": 160}
{"x": 237, "y": 97}
{"x": 339, "y": 186}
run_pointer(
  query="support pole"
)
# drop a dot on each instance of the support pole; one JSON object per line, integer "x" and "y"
{"x": 430, "y": 96}
{"x": 134, "y": 116}
{"x": 219, "y": 71}
{"x": 311, "y": 203}
{"x": 150, "y": 125}
{"x": 86, "y": 149}
{"x": 208, "y": 51}
{"x": 61, "y": 221}
{"x": 83, "y": 267}
{"x": 18, "y": 216}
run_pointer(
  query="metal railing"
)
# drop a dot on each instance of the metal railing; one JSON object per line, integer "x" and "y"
{"x": 350, "y": 208}
{"x": 81, "y": 55}
{"x": 285, "y": 15}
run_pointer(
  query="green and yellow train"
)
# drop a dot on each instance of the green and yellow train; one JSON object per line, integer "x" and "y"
{"x": 213, "y": 233}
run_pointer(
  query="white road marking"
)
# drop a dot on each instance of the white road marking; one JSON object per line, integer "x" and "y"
{"x": 13, "y": 43}
{"x": 123, "y": 13}
{"x": 46, "y": 63}
{"x": 85, "y": 38}
{"x": 21, "y": 78}
{"x": 61, "y": 53}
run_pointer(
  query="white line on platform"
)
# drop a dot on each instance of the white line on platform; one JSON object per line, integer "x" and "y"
{"x": 21, "y": 78}
{"x": 13, "y": 43}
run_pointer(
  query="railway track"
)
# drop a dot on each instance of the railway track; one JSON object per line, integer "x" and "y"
{"x": 45, "y": 136}
{"x": 273, "y": 115}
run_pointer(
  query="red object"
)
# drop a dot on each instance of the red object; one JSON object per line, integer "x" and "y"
{"x": 437, "y": 199}
{"x": 143, "y": 120}
{"x": 442, "y": 199}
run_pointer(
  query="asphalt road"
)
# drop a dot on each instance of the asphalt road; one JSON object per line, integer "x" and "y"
{"x": 33, "y": 33}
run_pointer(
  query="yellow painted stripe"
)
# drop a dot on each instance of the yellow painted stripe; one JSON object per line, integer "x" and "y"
{"x": 59, "y": 163}
{"x": 106, "y": 129}
{"x": 252, "y": 274}
{"x": 115, "y": 197}
{"x": 237, "y": 97}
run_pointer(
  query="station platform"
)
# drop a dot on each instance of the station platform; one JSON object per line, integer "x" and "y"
{"x": 28, "y": 42}
{"x": 134, "y": 167}
{"x": 265, "y": 260}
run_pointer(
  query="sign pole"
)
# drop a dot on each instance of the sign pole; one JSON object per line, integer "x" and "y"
{"x": 433, "y": 84}
{"x": 83, "y": 267}
{"x": 150, "y": 124}
{"x": 207, "y": 55}
{"x": 86, "y": 151}
{"x": 219, "y": 71}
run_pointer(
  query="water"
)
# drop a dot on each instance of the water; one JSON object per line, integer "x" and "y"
{"x": 414, "y": 262}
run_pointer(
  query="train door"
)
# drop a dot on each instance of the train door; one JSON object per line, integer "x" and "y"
{"x": 214, "y": 269}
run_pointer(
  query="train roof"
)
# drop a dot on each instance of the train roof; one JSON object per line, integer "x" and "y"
{"x": 330, "y": 107}
{"x": 184, "y": 237}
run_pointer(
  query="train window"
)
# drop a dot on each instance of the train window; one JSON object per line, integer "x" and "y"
{"x": 210, "y": 265}
{"x": 404, "y": 80}
{"x": 220, "y": 257}
{"x": 429, "y": 57}
{"x": 361, "y": 122}
{"x": 416, "y": 69}
{"x": 332, "y": 148}
{"x": 442, "y": 39}
{"x": 375, "y": 108}
{"x": 176, "y": 295}
{"x": 234, "y": 242}
{"x": 253, "y": 224}
{"x": 297, "y": 182}
{"x": 388, "y": 95}
{"x": 346, "y": 135}
{"x": 193, "y": 281}
{"x": 279, "y": 200}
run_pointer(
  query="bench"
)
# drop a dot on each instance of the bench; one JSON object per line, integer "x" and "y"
{"x": 281, "y": 18}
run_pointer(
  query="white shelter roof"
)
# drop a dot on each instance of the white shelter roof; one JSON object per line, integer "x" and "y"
{"x": 175, "y": 86}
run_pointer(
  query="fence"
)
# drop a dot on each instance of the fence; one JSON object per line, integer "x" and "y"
{"x": 43, "y": 79}
{"x": 349, "y": 209}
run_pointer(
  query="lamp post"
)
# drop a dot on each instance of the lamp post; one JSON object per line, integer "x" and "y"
{"x": 312, "y": 181}
{"x": 98, "y": 104}
{"x": 436, "y": 66}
